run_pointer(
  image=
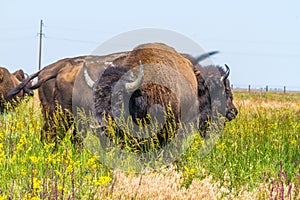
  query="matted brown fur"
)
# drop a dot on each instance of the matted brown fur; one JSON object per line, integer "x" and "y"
{"x": 169, "y": 80}
{"x": 159, "y": 54}
{"x": 19, "y": 74}
{"x": 58, "y": 91}
{"x": 49, "y": 89}
{"x": 157, "y": 59}
{"x": 7, "y": 82}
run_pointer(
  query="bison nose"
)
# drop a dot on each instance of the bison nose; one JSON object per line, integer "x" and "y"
{"x": 232, "y": 113}
{"x": 30, "y": 93}
{"x": 236, "y": 111}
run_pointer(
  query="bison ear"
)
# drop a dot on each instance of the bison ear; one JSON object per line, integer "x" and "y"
{"x": 201, "y": 83}
{"x": 202, "y": 88}
{"x": 197, "y": 72}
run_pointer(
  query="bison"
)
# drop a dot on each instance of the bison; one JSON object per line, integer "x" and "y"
{"x": 214, "y": 95}
{"x": 8, "y": 82}
{"x": 212, "y": 87}
{"x": 55, "y": 88}
{"x": 19, "y": 74}
{"x": 165, "y": 78}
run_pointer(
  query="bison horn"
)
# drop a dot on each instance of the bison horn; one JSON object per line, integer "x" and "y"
{"x": 226, "y": 74}
{"x": 27, "y": 76}
{"x": 131, "y": 87}
{"x": 87, "y": 77}
{"x": 203, "y": 57}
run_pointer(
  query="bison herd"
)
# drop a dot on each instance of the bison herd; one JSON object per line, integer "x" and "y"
{"x": 144, "y": 81}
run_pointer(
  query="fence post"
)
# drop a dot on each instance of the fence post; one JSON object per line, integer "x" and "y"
{"x": 267, "y": 88}
{"x": 284, "y": 89}
{"x": 249, "y": 88}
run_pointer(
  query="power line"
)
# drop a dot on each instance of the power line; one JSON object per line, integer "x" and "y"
{"x": 17, "y": 38}
{"x": 251, "y": 42}
{"x": 256, "y": 54}
{"x": 17, "y": 29}
{"x": 71, "y": 40}
{"x": 77, "y": 29}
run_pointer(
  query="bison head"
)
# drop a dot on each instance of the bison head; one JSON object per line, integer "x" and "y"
{"x": 214, "y": 88}
{"x": 112, "y": 89}
{"x": 230, "y": 110}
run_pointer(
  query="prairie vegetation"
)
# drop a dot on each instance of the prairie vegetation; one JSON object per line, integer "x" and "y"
{"x": 257, "y": 156}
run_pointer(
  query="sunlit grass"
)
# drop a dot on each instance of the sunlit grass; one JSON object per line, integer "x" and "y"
{"x": 256, "y": 156}
{"x": 31, "y": 169}
{"x": 265, "y": 133}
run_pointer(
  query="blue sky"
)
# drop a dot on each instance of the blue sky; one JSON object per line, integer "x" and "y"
{"x": 259, "y": 40}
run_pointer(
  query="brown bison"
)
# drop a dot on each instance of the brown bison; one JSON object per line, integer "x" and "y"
{"x": 211, "y": 88}
{"x": 19, "y": 74}
{"x": 8, "y": 82}
{"x": 165, "y": 79}
{"x": 55, "y": 88}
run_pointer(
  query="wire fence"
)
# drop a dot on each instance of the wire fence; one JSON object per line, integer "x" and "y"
{"x": 266, "y": 88}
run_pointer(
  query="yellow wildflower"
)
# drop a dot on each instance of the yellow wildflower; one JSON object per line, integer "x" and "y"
{"x": 58, "y": 173}
{"x": 49, "y": 146}
{"x": 13, "y": 158}
{"x": 69, "y": 169}
{"x": 1, "y": 153}
{"x": 34, "y": 159}
{"x": 102, "y": 181}
{"x": 92, "y": 163}
{"x": 35, "y": 198}
{"x": 60, "y": 187}
{"x": 23, "y": 172}
{"x": 22, "y": 142}
{"x": 3, "y": 197}
{"x": 36, "y": 185}
{"x": 53, "y": 158}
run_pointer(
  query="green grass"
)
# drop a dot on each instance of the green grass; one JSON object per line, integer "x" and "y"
{"x": 30, "y": 169}
{"x": 265, "y": 133}
{"x": 260, "y": 147}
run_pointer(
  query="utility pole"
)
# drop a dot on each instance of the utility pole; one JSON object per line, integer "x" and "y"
{"x": 40, "y": 50}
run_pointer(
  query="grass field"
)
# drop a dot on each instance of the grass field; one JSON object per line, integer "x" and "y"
{"x": 257, "y": 156}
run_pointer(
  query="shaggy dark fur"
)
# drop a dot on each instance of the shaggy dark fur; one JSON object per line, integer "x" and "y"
{"x": 213, "y": 94}
{"x": 109, "y": 89}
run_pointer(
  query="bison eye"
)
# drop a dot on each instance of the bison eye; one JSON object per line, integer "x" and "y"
{"x": 227, "y": 92}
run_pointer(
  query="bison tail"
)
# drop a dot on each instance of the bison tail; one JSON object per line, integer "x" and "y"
{"x": 21, "y": 86}
{"x": 41, "y": 81}
{"x": 203, "y": 57}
